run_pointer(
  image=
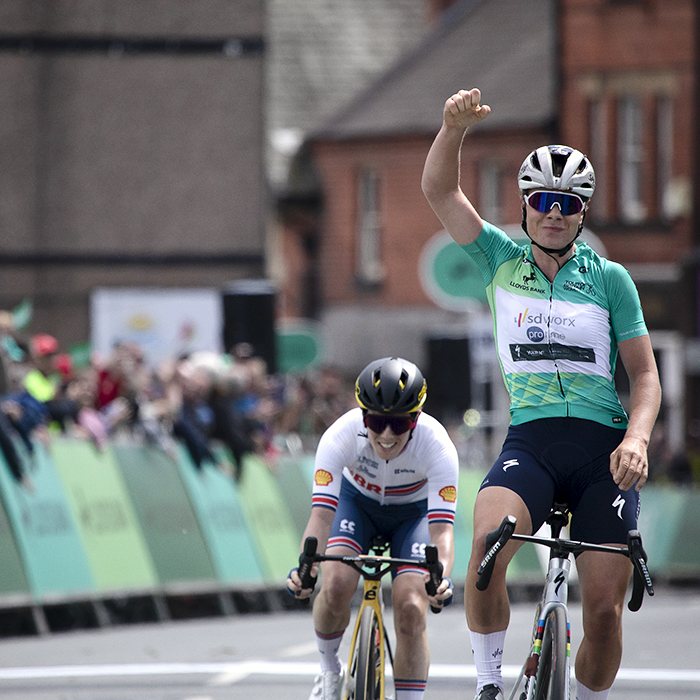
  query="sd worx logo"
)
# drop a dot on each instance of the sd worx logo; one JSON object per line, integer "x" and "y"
{"x": 535, "y": 334}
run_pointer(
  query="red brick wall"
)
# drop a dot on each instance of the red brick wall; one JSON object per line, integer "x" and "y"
{"x": 646, "y": 48}
{"x": 407, "y": 222}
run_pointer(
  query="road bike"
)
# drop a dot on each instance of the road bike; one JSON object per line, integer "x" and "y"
{"x": 545, "y": 675}
{"x": 370, "y": 645}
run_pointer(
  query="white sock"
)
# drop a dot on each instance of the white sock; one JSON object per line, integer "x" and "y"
{"x": 583, "y": 693}
{"x": 409, "y": 690}
{"x": 487, "y": 650}
{"x": 328, "y": 645}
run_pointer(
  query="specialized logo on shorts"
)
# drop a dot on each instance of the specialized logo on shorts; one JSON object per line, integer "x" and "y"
{"x": 449, "y": 493}
{"x": 510, "y": 463}
{"x": 322, "y": 477}
{"x": 619, "y": 503}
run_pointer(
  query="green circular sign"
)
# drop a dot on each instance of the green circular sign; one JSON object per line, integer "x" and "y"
{"x": 449, "y": 276}
{"x": 298, "y": 347}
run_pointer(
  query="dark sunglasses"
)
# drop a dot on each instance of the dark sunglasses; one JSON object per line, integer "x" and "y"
{"x": 398, "y": 424}
{"x": 543, "y": 202}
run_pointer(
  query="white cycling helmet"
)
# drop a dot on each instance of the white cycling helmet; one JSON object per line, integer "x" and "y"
{"x": 557, "y": 168}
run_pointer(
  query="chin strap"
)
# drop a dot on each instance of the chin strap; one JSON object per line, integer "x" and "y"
{"x": 561, "y": 252}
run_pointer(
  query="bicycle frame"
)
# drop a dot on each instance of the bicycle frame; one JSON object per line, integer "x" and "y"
{"x": 554, "y": 595}
{"x": 552, "y": 609}
{"x": 372, "y": 567}
{"x": 372, "y": 598}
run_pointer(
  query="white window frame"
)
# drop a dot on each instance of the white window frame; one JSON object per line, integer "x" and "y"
{"x": 630, "y": 152}
{"x": 369, "y": 268}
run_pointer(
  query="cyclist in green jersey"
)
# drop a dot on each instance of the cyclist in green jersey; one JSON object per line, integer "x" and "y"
{"x": 562, "y": 314}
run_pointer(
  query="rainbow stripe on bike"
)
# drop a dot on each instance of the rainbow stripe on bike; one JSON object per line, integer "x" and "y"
{"x": 537, "y": 646}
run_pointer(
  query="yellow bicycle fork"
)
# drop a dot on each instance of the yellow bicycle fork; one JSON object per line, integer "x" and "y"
{"x": 371, "y": 597}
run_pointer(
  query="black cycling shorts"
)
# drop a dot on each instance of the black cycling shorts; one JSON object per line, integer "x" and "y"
{"x": 568, "y": 459}
{"x": 359, "y": 518}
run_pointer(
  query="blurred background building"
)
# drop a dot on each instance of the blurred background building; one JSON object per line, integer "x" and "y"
{"x": 266, "y": 155}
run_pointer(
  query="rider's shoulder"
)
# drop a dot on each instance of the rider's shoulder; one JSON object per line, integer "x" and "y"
{"x": 349, "y": 421}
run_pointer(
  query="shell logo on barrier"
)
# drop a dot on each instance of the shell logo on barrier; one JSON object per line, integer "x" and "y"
{"x": 322, "y": 477}
{"x": 449, "y": 493}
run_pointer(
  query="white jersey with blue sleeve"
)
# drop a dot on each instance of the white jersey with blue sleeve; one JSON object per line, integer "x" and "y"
{"x": 427, "y": 468}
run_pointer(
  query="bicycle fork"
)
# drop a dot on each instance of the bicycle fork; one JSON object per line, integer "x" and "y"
{"x": 371, "y": 597}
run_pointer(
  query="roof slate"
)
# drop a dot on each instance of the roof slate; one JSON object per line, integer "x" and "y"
{"x": 321, "y": 53}
{"x": 507, "y": 48}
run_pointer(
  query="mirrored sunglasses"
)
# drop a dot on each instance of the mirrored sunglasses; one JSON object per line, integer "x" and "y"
{"x": 543, "y": 201}
{"x": 398, "y": 424}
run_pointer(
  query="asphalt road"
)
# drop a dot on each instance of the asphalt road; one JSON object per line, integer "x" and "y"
{"x": 265, "y": 656}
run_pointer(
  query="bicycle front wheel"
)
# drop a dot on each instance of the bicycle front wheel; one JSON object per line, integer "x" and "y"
{"x": 367, "y": 669}
{"x": 552, "y": 681}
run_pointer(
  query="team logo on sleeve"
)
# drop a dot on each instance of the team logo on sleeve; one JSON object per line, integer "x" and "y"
{"x": 322, "y": 477}
{"x": 449, "y": 493}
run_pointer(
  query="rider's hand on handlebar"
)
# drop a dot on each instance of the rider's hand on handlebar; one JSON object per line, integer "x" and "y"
{"x": 294, "y": 583}
{"x": 444, "y": 595}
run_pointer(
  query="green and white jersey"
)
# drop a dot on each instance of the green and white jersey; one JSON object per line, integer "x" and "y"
{"x": 557, "y": 341}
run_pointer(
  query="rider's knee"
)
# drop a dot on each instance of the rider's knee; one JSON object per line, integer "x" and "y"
{"x": 338, "y": 590}
{"x": 409, "y": 614}
{"x": 602, "y": 616}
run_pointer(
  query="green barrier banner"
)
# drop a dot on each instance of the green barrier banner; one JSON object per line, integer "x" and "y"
{"x": 168, "y": 521}
{"x": 686, "y": 547}
{"x": 294, "y": 476}
{"x": 113, "y": 541}
{"x": 216, "y": 501}
{"x": 670, "y": 527}
{"x": 269, "y": 519}
{"x": 13, "y": 579}
{"x": 45, "y": 530}
{"x": 467, "y": 488}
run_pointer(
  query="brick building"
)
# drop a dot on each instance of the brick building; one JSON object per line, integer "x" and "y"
{"x": 616, "y": 79}
{"x": 131, "y": 150}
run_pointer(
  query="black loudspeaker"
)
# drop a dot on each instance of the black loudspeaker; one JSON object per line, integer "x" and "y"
{"x": 448, "y": 376}
{"x": 249, "y": 317}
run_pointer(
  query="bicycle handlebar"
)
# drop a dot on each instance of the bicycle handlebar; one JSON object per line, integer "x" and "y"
{"x": 431, "y": 564}
{"x": 641, "y": 580}
{"x": 434, "y": 571}
{"x": 306, "y": 560}
{"x": 496, "y": 540}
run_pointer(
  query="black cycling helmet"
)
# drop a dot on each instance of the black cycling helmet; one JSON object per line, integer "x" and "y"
{"x": 391, "y": 385}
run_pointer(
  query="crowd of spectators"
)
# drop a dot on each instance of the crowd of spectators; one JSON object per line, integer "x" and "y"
{"x": 220, "y": 407}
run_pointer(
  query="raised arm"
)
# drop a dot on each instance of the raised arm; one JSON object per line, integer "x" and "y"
{"x": 441, "y": 176}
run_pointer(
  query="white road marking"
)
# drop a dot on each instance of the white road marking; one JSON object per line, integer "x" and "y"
{"x": 300, "y": 650}
{"x": 230, "y": 673}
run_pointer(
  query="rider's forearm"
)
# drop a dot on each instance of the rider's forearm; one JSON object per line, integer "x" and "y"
{"x": 441, "y": 173}
{"x": 442, "y": 536}
{"x": 645, "y": 400}
{"x": 319, "y": 526}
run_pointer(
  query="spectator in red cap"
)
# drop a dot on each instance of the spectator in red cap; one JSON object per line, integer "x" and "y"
{"x": 42, "y": 381}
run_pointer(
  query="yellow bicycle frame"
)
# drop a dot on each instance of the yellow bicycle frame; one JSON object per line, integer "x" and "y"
{"x": 371, "y": 597}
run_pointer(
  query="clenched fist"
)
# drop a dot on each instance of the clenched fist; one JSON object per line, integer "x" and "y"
{"x": 463, "y": 110}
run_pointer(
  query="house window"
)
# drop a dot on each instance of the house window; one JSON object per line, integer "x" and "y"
{"x": 598, "y": 153}
{"x": 630, "y": 159}
{"x": 490, "y": 177}
{"x": 369, "y": 267}
{"x": 664, "y": 146}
